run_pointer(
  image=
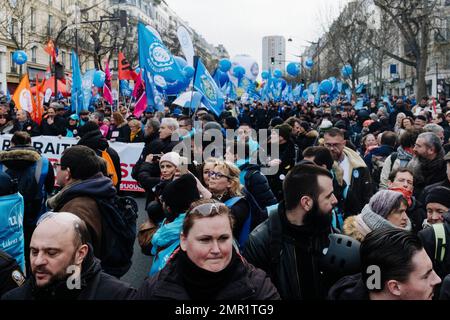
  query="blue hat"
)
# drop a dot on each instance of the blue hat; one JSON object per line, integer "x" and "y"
{"x": 74, "y": 117}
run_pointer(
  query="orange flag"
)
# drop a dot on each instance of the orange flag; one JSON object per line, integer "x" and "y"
{"x": 38, "y": 111}
{"x": 51, "y": 50}
{"x": 125, "y": 70}
{"x": 22, "y": 97}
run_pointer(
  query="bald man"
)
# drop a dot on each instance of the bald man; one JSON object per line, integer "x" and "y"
{"x": 63, "y": 265}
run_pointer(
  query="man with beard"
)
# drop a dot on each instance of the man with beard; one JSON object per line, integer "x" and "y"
{"x": 63, "y": 266}
{"x": 290, "y": 243}
{"x": 428, "y": 165}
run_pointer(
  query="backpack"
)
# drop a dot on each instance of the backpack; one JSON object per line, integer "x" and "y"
{"x": 119, "y": 216}
{"x": 255, "y": 217}
{"x": 440, "y": 237}
{"x": 110, "y": 169}
{"x": 31, "y": 185}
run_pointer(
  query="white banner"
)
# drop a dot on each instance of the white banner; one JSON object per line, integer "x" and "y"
{"x": 186, "y": 45}
{"x": 53, "y": 147}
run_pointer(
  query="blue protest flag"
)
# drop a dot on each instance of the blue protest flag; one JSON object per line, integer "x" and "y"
{"x": 8, "y": 96}
{"x": 87, "y": 82}
{"x": 348, "y": 94}
{"x": 389, "y": 105}
{"x": 204, "y": 83}
{"x": 77, "y": 103}
{"x": 360, "y": 88}
{"x": 158, "y": 62}
{"x": 124, "y": 87}
{"x": 359, "y": 104}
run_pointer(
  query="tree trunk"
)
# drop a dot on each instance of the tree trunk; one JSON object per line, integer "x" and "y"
{"x": 422, "y": 62}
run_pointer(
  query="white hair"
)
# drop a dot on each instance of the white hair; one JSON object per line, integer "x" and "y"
{"x": 170, "y": 122}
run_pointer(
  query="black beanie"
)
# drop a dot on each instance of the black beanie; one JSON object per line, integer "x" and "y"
{"x": 180, "y": 193}
{"x": 439, "y": 195}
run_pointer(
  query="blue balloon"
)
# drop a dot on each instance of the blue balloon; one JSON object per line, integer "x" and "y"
{"x": 326, "y": 86}
{"x": 277, "y": 73}
{"x": 20, "y": 57}
{"x": 188, "y": 72}
{"x": 347, "y": 71}
{"x": 99, "y": 79}
{"x": 293, "y": 69}
{"x": 265, "y": 75}
{"x": 224, "y": 65}
{"x": 309, "y": 63}
{"x": 238, "y": 72}
{"x": 174, "y": 87}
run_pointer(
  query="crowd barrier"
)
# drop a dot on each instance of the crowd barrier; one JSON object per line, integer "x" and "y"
{"x": 53, "y": 147}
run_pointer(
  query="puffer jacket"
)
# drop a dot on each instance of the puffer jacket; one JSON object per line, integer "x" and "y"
{"x": 273, "y": 250}
{"x": 248, "y": 283}
{"x": 95, "y": 285}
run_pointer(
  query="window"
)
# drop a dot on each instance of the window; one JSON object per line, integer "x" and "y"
{"x": 50, "y": 2}
{"x": 33, "y": 54}
{"x": 14, "y": 29}
{"x": 33, "y": 18}
{"x": 13, "y": 65}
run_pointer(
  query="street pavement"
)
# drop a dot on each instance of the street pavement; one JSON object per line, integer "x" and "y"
{"x": 141, "y": 263}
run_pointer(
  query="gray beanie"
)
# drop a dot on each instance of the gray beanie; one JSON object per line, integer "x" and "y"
{"x": 383, "y": 202}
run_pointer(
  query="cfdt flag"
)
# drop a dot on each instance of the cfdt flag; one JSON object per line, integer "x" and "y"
{"x": 22, "y": 97}
{"x": 77, "y": 91}
{"x": 205, "y": 84}
{"x": 156, "y": 59}
{"x": 87, "y": 82}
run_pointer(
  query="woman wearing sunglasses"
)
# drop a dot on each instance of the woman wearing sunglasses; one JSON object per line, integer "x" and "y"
{"x": 207, "y": 266}
{"x": 225, "y": 186}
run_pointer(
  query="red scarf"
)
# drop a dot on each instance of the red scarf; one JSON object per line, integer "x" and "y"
{"x": 406, "y": 194}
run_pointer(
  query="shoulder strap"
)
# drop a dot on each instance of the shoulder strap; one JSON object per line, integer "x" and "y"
{"x": 439, "y": 234}
{"x": 393, "y": 158}
{"x": 232, "y": 201}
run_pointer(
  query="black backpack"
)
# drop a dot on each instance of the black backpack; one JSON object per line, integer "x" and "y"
{"x": 119, "y": 216}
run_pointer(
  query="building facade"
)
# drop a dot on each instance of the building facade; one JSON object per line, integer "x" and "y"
{"x": 274, "y": 53}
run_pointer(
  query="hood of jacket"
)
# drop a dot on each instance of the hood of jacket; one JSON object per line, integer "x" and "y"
{"x": 403, "y": 155}
{"x": 96, "y": 187}
{"x": 355, "y": 160}
{"x": 312, "y": 134}
{"x": 349, "y": 288}
{"x": 383, "y": 150}
{"x": 19, "y": 157}
{"x": 94, "y": 140}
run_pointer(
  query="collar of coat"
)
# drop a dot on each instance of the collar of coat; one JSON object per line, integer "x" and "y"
{"x": 354, "y": 158}
{"x": 19, "y": 155}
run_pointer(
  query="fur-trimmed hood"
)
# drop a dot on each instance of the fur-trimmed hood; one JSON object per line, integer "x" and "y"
{"x": 19, "y": 158}
{"x": 313, "y": 134}
{"x": 351, "y": 229}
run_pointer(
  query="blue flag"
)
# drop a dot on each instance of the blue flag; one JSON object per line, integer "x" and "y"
{"x": 161, "y": 69}
{"x": 359, "y": 104}
{"x": 124, "y": 87}
{"x": 8, "y": 96}
{"x": 77, "y": 90}
{"x": 204, "y": 83}
{"x": 87, "y": 82}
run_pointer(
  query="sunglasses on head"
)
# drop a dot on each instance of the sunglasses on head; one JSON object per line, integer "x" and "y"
{"x": 207, "y": 209}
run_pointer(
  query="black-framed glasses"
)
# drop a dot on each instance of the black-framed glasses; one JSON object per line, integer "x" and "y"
{"x": 208, "y": 209}
{"x": 58, "y": 164}
{"x": 217, "y": 175}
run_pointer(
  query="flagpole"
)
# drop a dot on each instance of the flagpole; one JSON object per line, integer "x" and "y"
{"x": 196, "y": 58}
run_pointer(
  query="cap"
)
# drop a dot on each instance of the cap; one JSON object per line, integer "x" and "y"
{"x": 74, "y": 117}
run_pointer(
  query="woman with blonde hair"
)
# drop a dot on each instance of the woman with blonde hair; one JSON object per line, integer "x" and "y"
{"x": 225, "y": 186}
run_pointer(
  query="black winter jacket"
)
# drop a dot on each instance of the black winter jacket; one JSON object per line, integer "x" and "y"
{"x": 349, "y": 288}
{"x": 95, "y": 285}
{"x": 248, "y": 283}
{"x": 258, "y": 185}
{"x": 271, "y": 248}
{"x": 28, "y": 126}
{"x": 58, "y": 127}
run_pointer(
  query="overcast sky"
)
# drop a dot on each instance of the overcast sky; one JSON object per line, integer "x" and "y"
{"x": 240, "y": 25}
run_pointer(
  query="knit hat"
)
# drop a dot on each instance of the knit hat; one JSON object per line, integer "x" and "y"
{"x": 341, "y": 124}
{"x": 439, "y": 195}
{"x": 172, "y": 157}
{"x": 383, "y": 202}
{"x": 276, "y": 121}
{"x": 305, "y": 125}
{"x": 374, "y": 127}
{"x": 325, "y": 125}
{"x": 285, "y": 130}
{"x": 180, "y": 193}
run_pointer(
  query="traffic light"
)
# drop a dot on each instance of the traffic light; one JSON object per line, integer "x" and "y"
{"x": 272, "y": 60}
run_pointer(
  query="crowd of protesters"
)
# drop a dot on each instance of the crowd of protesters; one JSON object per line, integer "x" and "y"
{"x": 376, "y": 179}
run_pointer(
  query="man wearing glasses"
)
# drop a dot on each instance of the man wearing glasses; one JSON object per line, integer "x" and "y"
{"x": 353, "y": 170}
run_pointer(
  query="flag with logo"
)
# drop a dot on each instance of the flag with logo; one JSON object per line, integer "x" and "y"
{"x": 126, "y": 72}
{"x": 107, "y": 85}
{"x": 51, "y": 50}
{"x": 86, "y": 86}
{"x": 161, "y": 69}
{"x": 205, "y": 84}
{"x": 77, "y": 90}
{"x": 22, "y": 96}
{"x": 38, "y": 111}
{"x": 8, "y": 95}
